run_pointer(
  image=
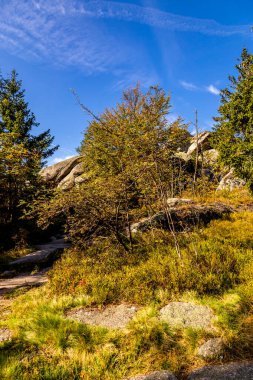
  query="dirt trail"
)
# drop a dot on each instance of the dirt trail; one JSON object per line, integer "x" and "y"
{"x": 45, "y": 255}
{"x": 22, "y": 280}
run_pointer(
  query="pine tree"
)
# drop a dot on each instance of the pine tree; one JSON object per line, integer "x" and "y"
{"x": 22, "y": 154}
{"x": 233, "y": 135}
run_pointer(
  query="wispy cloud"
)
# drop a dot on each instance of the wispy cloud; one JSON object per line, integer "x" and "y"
{"x": 57, "y": 33}
{"x": 145, "y": 79}
{"x": 213, "y": 90}
{"x": 56, "y": 160}
{"x": 70, "y": 33}
{"x": 188, "y": 85}
{"x": 154, "y": 17}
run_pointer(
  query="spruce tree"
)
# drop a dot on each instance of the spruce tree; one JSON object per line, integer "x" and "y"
{"x": 22, "y": 154}
{"x": 233, "y": 135}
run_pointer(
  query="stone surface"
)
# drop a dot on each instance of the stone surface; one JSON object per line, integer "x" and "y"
{"x": 65, "y": 174}
{"x": 80, "y": 179}
{"x": 232, "y": 371}
{"x": 211, "y": 349}
{"x": 69, "y": 181}
{"x": 60, "y": 170}
{"x": 5, "y": 335}
{"x": 231, "y": 182}
{"x": 186, "y": 314}
{"x": 183, "y": 217}
{"x": 158, "y": 375}
{"x": 183, "y": 156}
{"x": 203, "y": 145}
{"x": 201, "y": 141}
{"x": 70, "y": 172}
{"x": 115, "y": 316}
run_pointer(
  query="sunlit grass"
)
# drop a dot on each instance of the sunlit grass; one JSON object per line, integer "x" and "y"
{"x": 216, "y": 270}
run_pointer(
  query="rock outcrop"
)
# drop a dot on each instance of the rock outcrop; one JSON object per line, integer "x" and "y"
{"x": 60, "y": 170}
{"x": 173, "y": 202}
{"x": 232, "y": 371}
{"x": 200, "y": 142}
{"x": 68, "y": 173}
{"x": 65, "y": 174}
{"x": 183, "y": 216}
{"x": 73, "y": 177}
{"x": 210, "y": 157}
{"x": 231, "y": 182}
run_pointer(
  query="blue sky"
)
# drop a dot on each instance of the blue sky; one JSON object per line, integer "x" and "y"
{"x": 99, "y": 48}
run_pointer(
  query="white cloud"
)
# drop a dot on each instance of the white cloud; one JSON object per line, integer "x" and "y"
{"x": 56, "y": 160}
{"x": 193, "y": 87}
{"x": 188, "y": 86}
{"x": 213, "y": 90}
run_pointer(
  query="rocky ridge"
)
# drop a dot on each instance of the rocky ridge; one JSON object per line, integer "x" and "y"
{"x": 70, "y": 172}
{"x": 65, "y": 174}
{"x": 183, "y": 216}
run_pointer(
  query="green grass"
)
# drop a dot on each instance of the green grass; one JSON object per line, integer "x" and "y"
{"x": 48, "y": 346}
{"x": 216, "y": 269}
{"x": 213, "y": 261}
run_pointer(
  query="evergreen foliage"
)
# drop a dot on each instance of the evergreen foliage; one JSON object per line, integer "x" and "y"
{"x": 22, "y": 154}
{"x": 234, "y": 127}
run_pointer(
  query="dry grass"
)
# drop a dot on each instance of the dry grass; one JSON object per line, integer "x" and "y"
{"x": 216, "y": 270}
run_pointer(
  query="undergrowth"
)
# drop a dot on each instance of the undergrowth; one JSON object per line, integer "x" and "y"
{"x": 212, "y": 261}
{"x": 215, "y": 270}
